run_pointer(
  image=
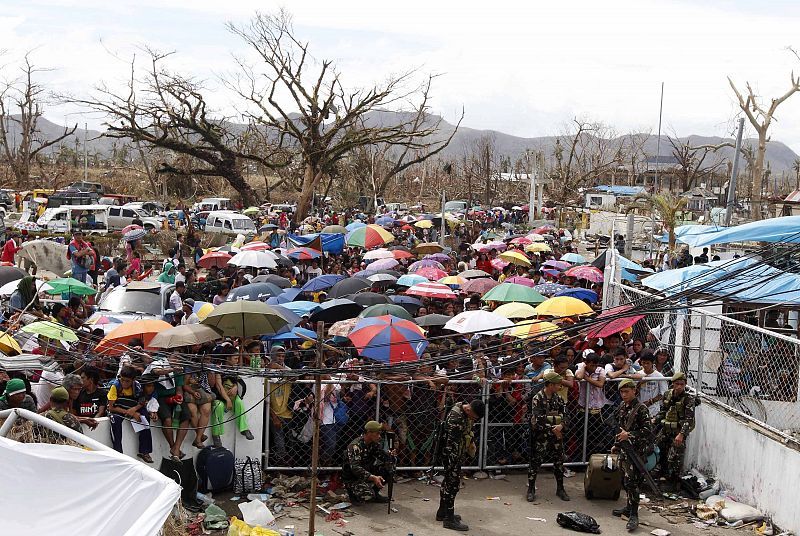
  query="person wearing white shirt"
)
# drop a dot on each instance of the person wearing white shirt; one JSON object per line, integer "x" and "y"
{"x": 176, "y": 298}
{"x": 329, "y": 428}
{"x": 651, "y": 392}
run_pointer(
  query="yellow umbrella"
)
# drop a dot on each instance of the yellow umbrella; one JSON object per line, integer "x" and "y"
{"x": 423, "y": 224}
{"x": 515, "y": 310}
{"x": 563, "y": 306}
{"x": 204, "y": 311}
{"x": 515, "y": 257}
{"x": 538, "y": 330}
{"x": 453, "y": 280}
{"x": 8, "y": 345}
{"x": 537, "y": 247}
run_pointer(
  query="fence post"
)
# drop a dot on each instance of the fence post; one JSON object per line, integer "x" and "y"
{"x": 378, "y": 404}
{"x": 483, "y": 446}
{"x": 701, "y": 346}
{"x": 586, "y": 423}
{"x": 267, "y": 421}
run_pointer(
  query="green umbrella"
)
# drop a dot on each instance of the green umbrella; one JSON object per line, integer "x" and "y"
{"x": 51, "y": 330}
{"x": 511, "y": 292}
{"x": 251, "y": 210}
{"x": 245, "y": 319}
{"x": 382, "y": 309}
{"x": 69, "y": 285}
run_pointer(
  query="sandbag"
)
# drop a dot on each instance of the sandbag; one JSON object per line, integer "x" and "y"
{"x": 733, "y": 511}
{"x": 578, "y": 521}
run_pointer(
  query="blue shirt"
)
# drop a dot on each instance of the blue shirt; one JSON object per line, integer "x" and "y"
{"x": 531, "y": 373}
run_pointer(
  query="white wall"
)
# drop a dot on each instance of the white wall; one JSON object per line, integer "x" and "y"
{"x": 755, "y": 468}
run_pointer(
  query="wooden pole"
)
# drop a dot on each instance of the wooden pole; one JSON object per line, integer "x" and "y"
{"x": 315, "y": 442}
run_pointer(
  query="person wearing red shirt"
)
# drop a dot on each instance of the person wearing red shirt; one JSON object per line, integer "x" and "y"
{"x": 10, "y": 249}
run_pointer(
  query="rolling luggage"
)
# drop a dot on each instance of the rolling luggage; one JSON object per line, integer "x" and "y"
{"x": 182, "y": 472}
{"x": 603, "y": 479}
{"x": 214, "y": 469}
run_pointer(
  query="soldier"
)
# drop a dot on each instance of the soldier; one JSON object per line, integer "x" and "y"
{"x": 59, "y": 410}
{"x": 635, "y": 428}
{"x": 677, "y": 420}
{"x": 365, "y": 466}
{"x": 547, "y": 434}
{"x": 457, "y": 440}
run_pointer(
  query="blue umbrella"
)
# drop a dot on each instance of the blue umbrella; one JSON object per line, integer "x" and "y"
{"x": 287, "y": 295}
{"x": 574, "y": 258}
{"x": 267, "y": 227}
{"x": 355, "y": 225}
{"x": 292, "y": 318}
{"x": 584, "y": 294}
{"x": 321, "y": 282}
{"x": 385, "y": 220}
{"x": 254, "y": 292}
{"x": 365, "y": 273}
{"x": 409, "y": 280}
{"x": 301, "y": 307}
{"x": 294, "y": 333}
{"x": 406, "y": 300}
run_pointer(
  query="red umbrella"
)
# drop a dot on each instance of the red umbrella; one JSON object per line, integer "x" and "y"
{"x": 388, "y": 339}
{"x": 522, "y": 240}
{"x": 431, "y": 290}
{"x": 214, "y": 258}
{"x": 255, "y": 246}
{"x": 590, "y": 273}
{"x": 431, "y": 273}
{"x": 303, "y": 254}
{"x": 519, "y": 280}
{"x": 402, "y": 254}
{"x": 131, "y": 227}
{"x": 544, "y": 229}
{"x": 498, "y": 264}
{"x": 480, "y": 286}
{"x": 615, "y": 325}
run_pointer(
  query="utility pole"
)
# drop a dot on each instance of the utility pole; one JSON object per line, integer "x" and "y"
{"x": 658, "y": 140}
{"x": 85, "y": 154}
{"x": 441, "y": 234}
{"x": 315, "y": 441}
{"x": 734, "y": 174}
{"x": 532, "y": 197}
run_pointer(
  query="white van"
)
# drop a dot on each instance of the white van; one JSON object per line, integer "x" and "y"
{"x": 213, "y": 204}
{"x": 229, "y": 222}
{"x": 121, "y": 217}
{"x": 91, "y": 219}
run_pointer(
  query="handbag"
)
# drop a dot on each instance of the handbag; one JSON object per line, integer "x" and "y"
{"x": 248, "y": 477}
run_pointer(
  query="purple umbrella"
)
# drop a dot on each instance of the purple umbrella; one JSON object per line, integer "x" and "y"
{"x": 558, "y": 265}
{"x": 439, "y": 257}
{"x": 383, "y": 264}
{"x": 519, "y": 280}
{"x": 425, "y": 263}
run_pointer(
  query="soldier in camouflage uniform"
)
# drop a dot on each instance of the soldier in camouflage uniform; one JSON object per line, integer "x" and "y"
{"x": 365, "y": 466}
{"x": 677, "y": 420}
{"x": 547, "y": 434}
{"x": 457, "y": 441}
{"x": 59, "y": 410}
{"x": 633, "y": 420}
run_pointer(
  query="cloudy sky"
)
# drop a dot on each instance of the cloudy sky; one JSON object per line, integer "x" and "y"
{"x": 525, "y": 68}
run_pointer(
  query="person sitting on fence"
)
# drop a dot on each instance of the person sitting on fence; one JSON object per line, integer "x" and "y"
{"x": 365, "y": 468}
{"x": 126, "y": 400}
{"x": 199, "y": 402}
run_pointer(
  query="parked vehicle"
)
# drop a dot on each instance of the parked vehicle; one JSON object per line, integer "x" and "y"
{"x": 72, "y": 196}
{"x": 136, "y": 300}
{"x": 400, "y": 208}
{"x": 149, "y": 208}
{"x": 87, "y": 186}
{"x": 213, "y": 203}
{"x": 229, "y": 222}
{"x": 121, "y": 217}
{"x": 456, "y": 207}
{"x": 116, "y": 199}
{"x": 65, "y": 219}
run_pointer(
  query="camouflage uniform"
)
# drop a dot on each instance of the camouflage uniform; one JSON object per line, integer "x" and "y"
{"x": 634, "y": 418}
{"x": 676, "y": 417}
{"x": 546, "y": 412}
{"x": 62, "y": 416}
{"x": 361, "y": 461}
{"x": 456, "y": 441}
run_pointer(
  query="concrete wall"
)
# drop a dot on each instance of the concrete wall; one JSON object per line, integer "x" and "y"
{"x": 231, "y": 439}
{"x": 755, "y": 468}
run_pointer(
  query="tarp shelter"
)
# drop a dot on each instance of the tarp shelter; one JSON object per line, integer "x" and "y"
{"x": 631, "y": 271}
{"x": 331, "y": 243}
{"x": 785, "y": 229}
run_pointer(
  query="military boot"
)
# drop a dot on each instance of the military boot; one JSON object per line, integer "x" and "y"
{"x": 450, "y": 522}
{"x": 441, "y": 513}
{"x": 619, "y": 512}
{"x": 633, "y": 518}
{"x": 531, "y": 496}
{"x": 561, "y": 493}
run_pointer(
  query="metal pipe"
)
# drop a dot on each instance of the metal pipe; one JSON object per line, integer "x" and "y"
{"x": 586, "y": 422}
{"x": 734, "y": 174}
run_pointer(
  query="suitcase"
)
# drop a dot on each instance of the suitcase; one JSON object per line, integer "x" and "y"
{"x": 214, "y": 469}
{"x": 603, "y": 479}
{"x": 182, "y": 472}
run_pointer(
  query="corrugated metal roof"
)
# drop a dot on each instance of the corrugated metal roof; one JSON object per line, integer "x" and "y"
{"x": 793, "y": 197}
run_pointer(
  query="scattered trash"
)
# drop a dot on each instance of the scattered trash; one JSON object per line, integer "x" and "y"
{"x": 764, "y": 528}
{"x": 660, "y": 532}
{"x": 578, "y": 521}
{"x": 543, "y": 520}
{"x": 340, "y": 506}
{"x": 426, "y": 499}
{"x": 333, "y": 516}
{"x": 257, "y": 497}
{"x": 256, "y": 513}
{"x": 492, "y": 498}
{"x": 216, "y": 518}
{"x": 480, "y": 475}
{"x": 704, "y": 512}
{"x": 568, "y": 473}
{"x": 507, "y": 503}
{"x": 733, "y": 511}
{"x": 394, "y": 510}
{"x": 700, "y": 525}
{"x": 236, "y": 498}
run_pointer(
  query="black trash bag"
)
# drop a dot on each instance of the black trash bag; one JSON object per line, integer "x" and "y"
{"x": 578, "y": 521}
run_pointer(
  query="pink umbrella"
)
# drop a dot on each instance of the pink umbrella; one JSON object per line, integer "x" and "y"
{"x": 522, "y": 240}
{"x": 438, "y": 257}
{"x": 431, "y": 273}
{"x": 425, "y": 263}
{"x": 431, "y": 290}
{"x": 383, "y": 264}
{"x": 498, "y": 264}
{"x": 480, "y": 286}
{"x": 131, "y": 227}
{"x": 589, "y": 273}
{"x": 499, "y": 246}
{"x": 519, "y": 280}
{"x": 558, "y": 265}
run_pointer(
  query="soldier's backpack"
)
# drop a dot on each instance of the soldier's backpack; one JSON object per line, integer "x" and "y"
{"x": 603, "y": 478}
{"x": 214, "y": 469}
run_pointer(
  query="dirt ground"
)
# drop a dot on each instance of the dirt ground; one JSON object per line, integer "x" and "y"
{"x": 416, "y": 503}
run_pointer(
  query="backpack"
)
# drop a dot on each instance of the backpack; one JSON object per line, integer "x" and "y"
{"x": 215, "y": 466}
{"x": 340, "y": 414}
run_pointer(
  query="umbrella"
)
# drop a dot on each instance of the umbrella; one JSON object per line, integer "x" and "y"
{"x": 537, "y": 247}
{"x": 251, "y": 210}
{"x": 69, "y": 285}
{"x": 337, "y": 309}
{"x": 334, "y": 229}
{"x": 521, "y": 241}
{"x": 533, "y": 237}
{"x": 401, "y": 254}
{"x": 134, "y": 234}
{"x": 574, "y": 258}
{"x": 539, "y": 330}
{"x": 473, "y": 274}
{"x": 255, "y": 246}
{"x": 584, "y": 294}
{"x": 321, "y": 282}
{"x": 8, "y": 345}
{"x": 515, "y": 257}
{"x": 254, "y": 292}
{"x": 9, "y": 288}
{"x": 351, "y": 285}
{"x": 365, "y": 299}
{"x": 131, "y": 227}
{"x": 431, "y": 273}
{"x": 246, "y": 319}
{"x": 385, "y": 221}
{"x": 276, "y": 280}
{"x": 511, "y": 292}
{"x": 480, "y": 321}
{"x": 11, "y": 273}
{"x": 589, "y": 273}
{"x": 228, "y": 249}
{"x": 214, "y": 258}
{"x": 303, "y": 254}
{"x": 363, "y": 274}
{"x": 498, "y": 264}
{"x": 116, "y": 340}
{"x": 380, "y": 253}
{"x": 103, "y": 320}
{"x": 550, "y": 289}
{"x": 515, "y": 310}
{"x": 301, "y": 307}
{"x": 267, "y": 227}
{"x": 292, "y": 318}
{"x": 558, "y": 265}
{"x": 423, "y": 224}
{"x": 409, "y": 303}
{"x": 289, "y": 294}
{"x": 382, "y": 309}
{"x": 384, "y": 264}
{"x": 409, "y": 280}
{"x": 439, "y": 257}
{"x": 428, "y": 247}
{"x": 27, "y": 226}
{"x": 431, "y": 290}
{"x": 382, "y": 278}
{"x": 280, "y": 260}
{"x": 453, "y": 281}
{"x": 425, "y": 263}
{"x": 544, "y": 229}
{"x": 519, "y": 280}
{"x": 432, "y": 320}
{"x": 369, "y": 237}
{"x": 499, "y": 246}
{"x": 185, "y": 335}
{"x": 342, "y": 328}
{"x": 51, "y": 330}
{"x": 614, "y": 325}
{"x": 295, "y": 333}
{"x": 355, "y": 225}
{"x": 204, "y": 310}
{"x": 563, "y": 306}
{"x": 388, "y": 339}
{"x": 253, "y": 259}
{"x": 479, "y": 286}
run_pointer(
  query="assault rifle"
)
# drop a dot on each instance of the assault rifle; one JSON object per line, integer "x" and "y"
{"x": 391, "y": 470}
{"x": 633, "y": 456}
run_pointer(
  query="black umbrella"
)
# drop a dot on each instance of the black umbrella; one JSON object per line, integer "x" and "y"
{"x": 10, "y": 273}
{"x": 366, "y": 299}
{"x": 335, "y": 310}
{"x": 432, "y": 320}
{"x": 351, "y": 285}
{"x": 283, "y": 261}
{"x": 254, "y": 292}
{"x": 276, "y": 280}
{"x": 409, "y": 303}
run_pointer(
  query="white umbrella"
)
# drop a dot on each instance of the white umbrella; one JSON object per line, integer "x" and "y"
{"x": 484, "y": 322}
{"x": 381, "y": 253}
{"x": 9, "y": 288}
{"x": 253, "y": 259}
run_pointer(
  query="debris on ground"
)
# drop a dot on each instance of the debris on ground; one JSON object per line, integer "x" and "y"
{"x": 578, "y": 521}
{"x": 543, "y": 520}
{"x": 660, "y": 532}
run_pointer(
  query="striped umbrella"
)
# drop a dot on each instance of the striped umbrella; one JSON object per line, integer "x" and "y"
{"x": 431, "y": 273}
{"x": 480, "y": 286}
{"x": 255, "y": 246}
{"x": 369, "y": 237}
{"x": 303, "y": 254}
{"x": 388, "y": 339}
{"x": 589, "y": 273}
{"x": 431, "y": 290}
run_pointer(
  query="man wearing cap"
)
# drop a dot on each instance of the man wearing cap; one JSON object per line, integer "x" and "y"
{"x": 365, "y": 467}
{"x": 634, "y": 426}
{"x": 189, "y": 316}
{"x": 547, "y": 434}
{"x": 677, "y": 421}
{"x": 16, "y": 396}
{"x": 59, "y": 410}
{"x": 457, "y": 441}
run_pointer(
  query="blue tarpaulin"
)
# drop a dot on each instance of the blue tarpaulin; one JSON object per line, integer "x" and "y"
{"x": 785, "y": 229}
{"x": 331, "y": 243}
{"x": 619, "y": 190}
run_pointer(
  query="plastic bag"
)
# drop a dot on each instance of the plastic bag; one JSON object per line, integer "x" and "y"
{"x": 578, "y": 521}
{"x": 216, "y": 518}
{"x": 240, "y": 528}
{"x": 256, "y": 513}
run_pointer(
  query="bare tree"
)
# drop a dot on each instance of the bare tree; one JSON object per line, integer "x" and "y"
{"x": 694, "y": 164}
{"x": 22, "y": 102}
{"x": 308, "y": 108}
{"x": 481, "y": 165}
{"x": 760, "y": 117}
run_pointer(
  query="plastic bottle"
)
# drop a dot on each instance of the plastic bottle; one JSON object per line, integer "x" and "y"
{"x": 205, "y": 499}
